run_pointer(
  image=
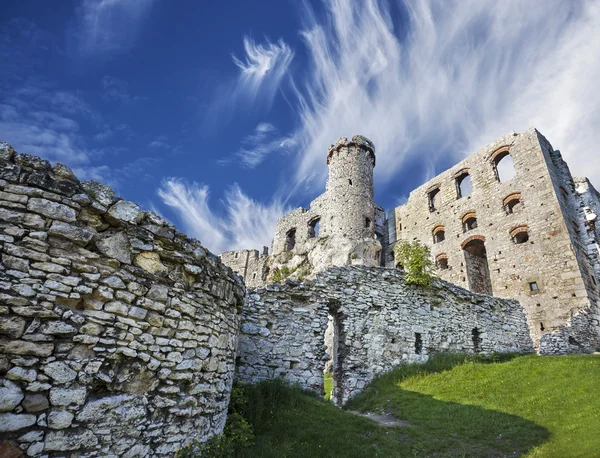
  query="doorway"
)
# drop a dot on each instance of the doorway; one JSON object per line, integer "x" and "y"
{"x": 478, "y": 271}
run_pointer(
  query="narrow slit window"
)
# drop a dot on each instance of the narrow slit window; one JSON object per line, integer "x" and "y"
{"x": 418, "y": 343}
{"x": 533, "y": 286}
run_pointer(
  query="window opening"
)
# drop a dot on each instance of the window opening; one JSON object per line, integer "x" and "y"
{"x": 464, "y": 187}
{"x": 313, "y": 228}
{"x": 350, "y": 182}
{"x": 519, "y": 235}
{"x": 476, "y": 338}
{"x": 367, "y": 222}
{"x": 290, "y": 239}
{"x": 433, "y": 198}
{"x": 418, "y": 343}
{"x": 503, "y": 165}
{"x": 439, "y": 234}
{"x": 478, "y": 271}
{"x": 533, "y": 286}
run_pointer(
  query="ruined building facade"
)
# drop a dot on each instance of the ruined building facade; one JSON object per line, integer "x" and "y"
{"x": 508, "y": 221}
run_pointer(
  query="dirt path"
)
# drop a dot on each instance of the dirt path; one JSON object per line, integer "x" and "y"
{"x": 382, "y": 419}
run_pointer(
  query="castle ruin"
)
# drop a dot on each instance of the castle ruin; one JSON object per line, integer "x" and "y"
{"x": 508, "y": 221}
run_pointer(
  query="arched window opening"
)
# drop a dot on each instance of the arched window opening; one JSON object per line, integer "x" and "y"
{"x": 464, "y": 187}
{"x": 520, "y": 234}
{"x": 313, "y": 228}
{"x": 439, "y": 233}
{"x": 469, "y": 221}
{"x": 476, "y": 263}
{"x": 512, "y": 203}
{"x": 504, "y": 167}
{"x": 441, "y": 261}
{"x": 432, "y": 197}
{"x": 290, "y": 239}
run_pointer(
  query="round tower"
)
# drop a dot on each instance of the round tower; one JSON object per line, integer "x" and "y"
{"x": 349, "y": 189}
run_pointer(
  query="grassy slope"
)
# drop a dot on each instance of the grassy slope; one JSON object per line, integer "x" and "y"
{"x": 533, "y": 406}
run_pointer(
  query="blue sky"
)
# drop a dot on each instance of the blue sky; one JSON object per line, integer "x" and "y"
{"x": 218, "y": 115}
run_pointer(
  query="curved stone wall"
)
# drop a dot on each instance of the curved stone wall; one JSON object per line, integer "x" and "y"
{"x": 117, "y": 333}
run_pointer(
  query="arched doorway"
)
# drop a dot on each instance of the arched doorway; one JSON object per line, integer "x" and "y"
{"x": 478, "y": 271}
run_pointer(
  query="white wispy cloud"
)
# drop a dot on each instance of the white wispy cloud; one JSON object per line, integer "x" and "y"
{"x": 463, "y": 74}
{"x": 246, "y": 223}
{"x": 431, "y": 88}
{"x": 259, "y": 144}
{"x": 261, "y": 70}
{"x": 107, "y": 26}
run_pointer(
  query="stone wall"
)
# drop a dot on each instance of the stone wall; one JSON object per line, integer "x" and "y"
{"x": 550, "y": 274}
{"x": 117, "y": 333}
{"x": 379, "y": 322}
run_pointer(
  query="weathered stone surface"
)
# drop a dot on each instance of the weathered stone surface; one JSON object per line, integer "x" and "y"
{"x": 69, "y": 440}
{"x": 13, "y": 326}
{"x": 21, "y": 373}
{"x": 116, "y": 246}
{"x": 15, "y": 422}
{"x": 150, "y": 262}
{"x": 126, "y": 211}
{"x": 52, "y": 209}
{"x": 80, "y": 326}
{"x": 60, "y": 419}
{"x": 77, "y": 234}
{"x": 22, "y": 347}
{"x": 60, "y": 372}
{"x": 67, "y": 396}
{"x": 35, "y": 403}
{"x": 99, "y": 192}
{"x": 385, "y": 323}
{"x": 10, "y": 395}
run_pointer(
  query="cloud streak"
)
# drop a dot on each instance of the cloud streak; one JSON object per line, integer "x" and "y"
{"x": 246, "y": 223}
{"x": 108, "y": 26}
{"x": 462, "y": 74}
{"x": 261, "y": 70}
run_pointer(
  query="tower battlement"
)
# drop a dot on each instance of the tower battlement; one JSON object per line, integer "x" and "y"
{"x": 357, "y": 140}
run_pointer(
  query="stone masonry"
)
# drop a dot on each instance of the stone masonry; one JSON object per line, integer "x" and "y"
{"x": 117, "y": 333}
{"x": 532, "y": 237}
{"x": 379, "y": 322}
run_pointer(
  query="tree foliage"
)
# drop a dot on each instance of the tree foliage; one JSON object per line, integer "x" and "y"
{"x": 415, "y": 257}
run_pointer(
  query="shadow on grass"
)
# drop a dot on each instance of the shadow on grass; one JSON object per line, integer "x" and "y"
{"x": 289, "y": 423}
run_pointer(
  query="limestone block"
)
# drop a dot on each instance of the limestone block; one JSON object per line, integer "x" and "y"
{"x": 60, "y": 372}
{"x": 10, "y": 395}
{"x": 52, "y": 209}
{"x": 69, "y": 440}
{"x": 35, "y": 403}
{"x": 15, "y": 422}
{"x": 12, "y": 326}
{"x": 126, "y": 211}
{"x": 150, "y": 262}
{"x": 60, "y": 419}
{"x": 77, "y": 234}
{"x": 116, "y": 246}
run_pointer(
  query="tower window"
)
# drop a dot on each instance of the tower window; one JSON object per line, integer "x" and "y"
{"x": 533, "y": 286}
{"x": 432, "y": 197}
{"x": 350, "y": 182}
{"x": 313, "y": 227}
{"x": 290, "y": 239}
{"x": 367, "y": 222}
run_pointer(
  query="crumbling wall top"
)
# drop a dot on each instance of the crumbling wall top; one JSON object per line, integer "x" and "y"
{"x": 357, "y": 140}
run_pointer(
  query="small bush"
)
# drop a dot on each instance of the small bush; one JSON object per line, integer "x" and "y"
{"x": 282, "y": 273}
{"x": 416, "y": 259}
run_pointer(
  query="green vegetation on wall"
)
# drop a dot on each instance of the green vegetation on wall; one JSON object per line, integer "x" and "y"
{"x": 415, "y": 257}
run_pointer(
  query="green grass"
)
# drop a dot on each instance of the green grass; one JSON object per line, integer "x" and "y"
{"x": 328, "y": 381}
{"x": 457, "y": 406}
